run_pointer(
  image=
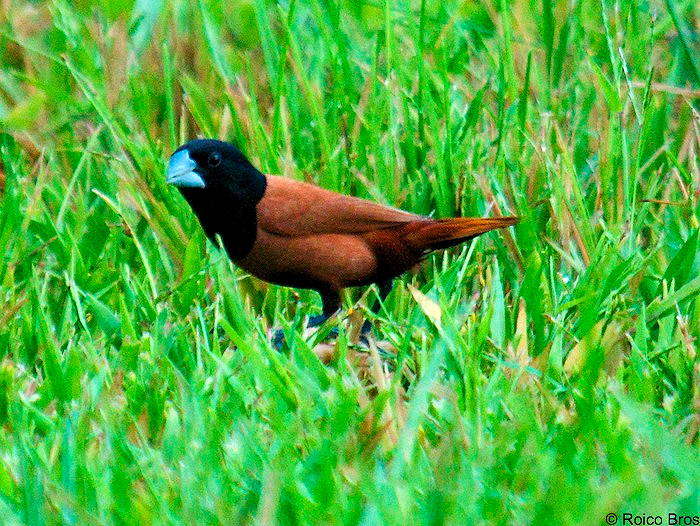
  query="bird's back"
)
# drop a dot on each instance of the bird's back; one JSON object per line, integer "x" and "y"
{"x": 295, "y": 209}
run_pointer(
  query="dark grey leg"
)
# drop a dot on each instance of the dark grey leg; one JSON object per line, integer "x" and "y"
{"x": 331, "y": 305}
{"x": 277, "y": 339}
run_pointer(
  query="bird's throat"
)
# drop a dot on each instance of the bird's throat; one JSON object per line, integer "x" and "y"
{"x": 224, "y": 213}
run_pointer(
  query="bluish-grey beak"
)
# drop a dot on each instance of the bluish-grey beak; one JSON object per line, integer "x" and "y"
{"x": 181, "y": 171}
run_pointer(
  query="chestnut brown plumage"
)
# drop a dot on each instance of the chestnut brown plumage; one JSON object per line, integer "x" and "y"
{"x": 296, "y": 234}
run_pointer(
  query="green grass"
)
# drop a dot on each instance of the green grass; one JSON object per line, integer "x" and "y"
{"x": 548, "y": 374}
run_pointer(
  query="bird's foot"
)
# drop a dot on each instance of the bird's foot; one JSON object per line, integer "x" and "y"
{"x": 320, "y": 319}
{"x": 365, "y": 332}
{"x": 315, "y": 321}
{"x": 278, "y": 339}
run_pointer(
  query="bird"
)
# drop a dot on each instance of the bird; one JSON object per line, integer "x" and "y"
{"x": 296, "y": 234}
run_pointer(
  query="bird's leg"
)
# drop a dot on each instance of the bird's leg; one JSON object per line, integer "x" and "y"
{"x": 277, "y": 339}
{"x": 331, "y": 305}
{"x": 384, "y": 290}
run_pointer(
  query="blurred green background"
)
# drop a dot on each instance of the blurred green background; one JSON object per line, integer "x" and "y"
{"x": 544, "y": 374}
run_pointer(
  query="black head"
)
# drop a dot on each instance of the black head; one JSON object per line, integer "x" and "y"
{"x": 223, "y": 189}
{"x": 208, "y": 166}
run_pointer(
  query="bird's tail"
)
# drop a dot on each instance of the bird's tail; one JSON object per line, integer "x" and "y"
{"x": 443, "y": 233}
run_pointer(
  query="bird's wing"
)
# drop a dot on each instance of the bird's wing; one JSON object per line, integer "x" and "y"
{"x": 294, "y": 208}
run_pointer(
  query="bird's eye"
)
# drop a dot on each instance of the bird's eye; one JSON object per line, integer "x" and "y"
{"x": 214, "y": 160}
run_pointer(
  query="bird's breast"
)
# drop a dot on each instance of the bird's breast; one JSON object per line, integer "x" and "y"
{"x": 222, "y": 213}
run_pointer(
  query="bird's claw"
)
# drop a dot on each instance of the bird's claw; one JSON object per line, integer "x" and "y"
{"x": 365, "y": 332}
{"x": 315, "y": 321}
{"x": 278, "y": 339}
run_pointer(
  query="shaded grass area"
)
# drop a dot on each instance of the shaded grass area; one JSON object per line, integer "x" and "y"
{"x": 544, "y": 374}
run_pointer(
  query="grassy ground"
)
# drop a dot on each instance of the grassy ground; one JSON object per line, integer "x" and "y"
{"x": 547, "y": 374}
